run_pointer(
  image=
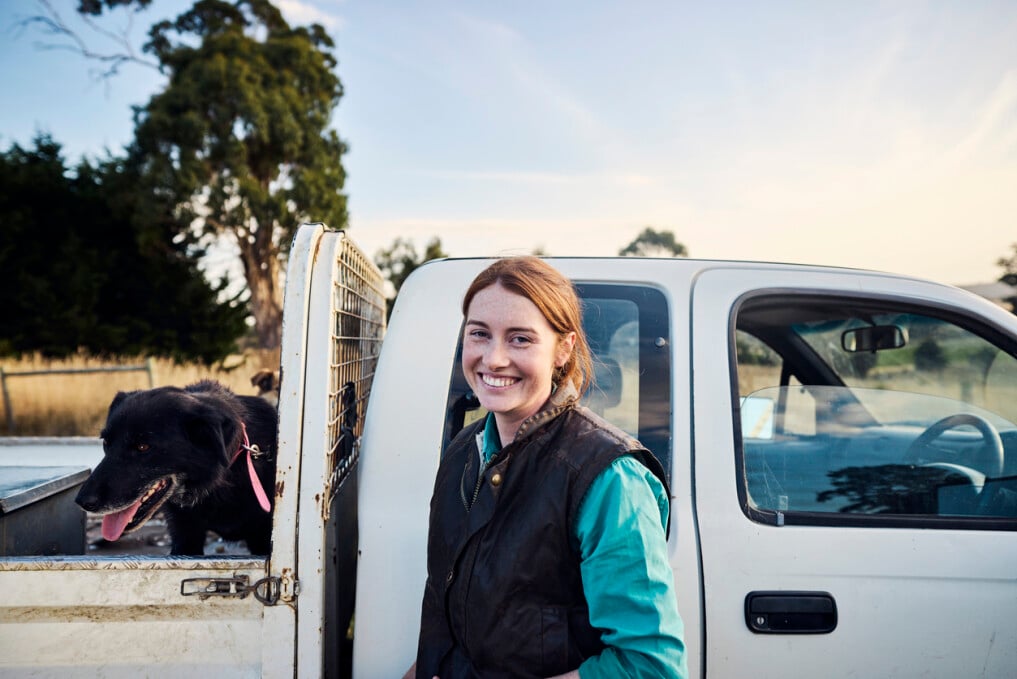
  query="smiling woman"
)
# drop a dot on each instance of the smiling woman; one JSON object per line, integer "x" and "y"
{"x": 510, "y": 367}
{"x": 543, "y": 476}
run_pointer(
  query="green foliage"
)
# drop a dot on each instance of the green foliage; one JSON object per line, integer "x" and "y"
{"x": 85, "y": 276}
{"x": 96, "y": 7}
{"x": 399, "y": 260}
{"x": 1009, "y": 266}
{"x": 982, "y": 358}
{"x": 652, "y": 243}
{"x": 751, "y": 351}
{"x": 863, "y": 362}
{"x": 929, "y": 356}
{"x": 240, "y": 137}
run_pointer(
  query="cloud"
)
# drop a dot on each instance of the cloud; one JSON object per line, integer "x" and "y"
{"x": 504, "y": 55}
{"x": 302, "y": 13}
{"x": 593, "y": 180}
{"x": 890, "y": 145}
{"x": 994, "y": 129}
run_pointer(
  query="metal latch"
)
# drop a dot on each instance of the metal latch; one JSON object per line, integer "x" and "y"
{"x": 266, "y": 590}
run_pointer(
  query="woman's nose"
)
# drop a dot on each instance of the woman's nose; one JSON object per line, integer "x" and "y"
{"x": 497, "y": 356}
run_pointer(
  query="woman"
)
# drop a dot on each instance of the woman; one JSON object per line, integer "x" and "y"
{"x": 547, "y": 548}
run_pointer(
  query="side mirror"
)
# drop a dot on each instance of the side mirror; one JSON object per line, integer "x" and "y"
{"x": 873, "y": 338}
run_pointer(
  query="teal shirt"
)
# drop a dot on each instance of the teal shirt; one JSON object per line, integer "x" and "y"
{"x": 627, "y": 577}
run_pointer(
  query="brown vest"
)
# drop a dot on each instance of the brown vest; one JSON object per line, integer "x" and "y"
{"x": 504, "y": 594}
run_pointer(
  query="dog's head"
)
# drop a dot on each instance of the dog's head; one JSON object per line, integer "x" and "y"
{"x": 159, "y": 445}
{"x": 267, "y": 384}
{"x": 265, "y": 381}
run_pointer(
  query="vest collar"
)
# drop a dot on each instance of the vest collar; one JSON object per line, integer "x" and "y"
{"x": 561, "y": 399}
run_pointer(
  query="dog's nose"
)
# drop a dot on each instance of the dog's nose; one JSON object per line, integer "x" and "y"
{"x": 87, "y": 498}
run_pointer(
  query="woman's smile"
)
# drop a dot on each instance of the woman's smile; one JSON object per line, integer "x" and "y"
{"x": 510, "y": 352}
{"x": 497, "y": 381}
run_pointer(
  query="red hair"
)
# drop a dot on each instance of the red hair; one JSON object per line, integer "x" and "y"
{"x": 554, "y": 296}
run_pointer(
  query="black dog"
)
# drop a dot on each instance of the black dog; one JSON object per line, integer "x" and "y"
{"x": 187, "y": 452}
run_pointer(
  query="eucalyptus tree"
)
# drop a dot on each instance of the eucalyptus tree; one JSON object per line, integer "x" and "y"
{"x": 241, "y": 140}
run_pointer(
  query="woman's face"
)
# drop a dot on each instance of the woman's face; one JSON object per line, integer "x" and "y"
{"x": 509, "y": 354}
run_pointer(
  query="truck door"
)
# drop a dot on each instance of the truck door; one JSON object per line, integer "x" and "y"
{"x": 855, "y": 469}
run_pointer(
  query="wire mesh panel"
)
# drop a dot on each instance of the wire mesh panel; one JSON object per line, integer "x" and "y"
{"x": 358, "y": 325}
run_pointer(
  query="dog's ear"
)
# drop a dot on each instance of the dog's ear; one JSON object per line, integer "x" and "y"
{"x": 213, "y": 430}
{"x": 231, "y": 436}
{"x": 118, "y": 399}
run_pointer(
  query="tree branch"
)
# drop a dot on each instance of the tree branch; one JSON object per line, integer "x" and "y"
{"x": 50, "y": 22}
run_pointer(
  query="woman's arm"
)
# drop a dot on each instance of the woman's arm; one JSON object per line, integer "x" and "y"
{"x": 627, "y": 578}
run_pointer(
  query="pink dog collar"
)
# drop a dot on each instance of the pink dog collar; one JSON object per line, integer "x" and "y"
{"x": 259, "y": 492}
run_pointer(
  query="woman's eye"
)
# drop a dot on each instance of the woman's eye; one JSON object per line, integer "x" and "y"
{"x": 141, "y": 447}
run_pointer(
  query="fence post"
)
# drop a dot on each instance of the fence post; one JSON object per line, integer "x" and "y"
{"x": 8, "y": 408}
{"x": 150, "y": 366}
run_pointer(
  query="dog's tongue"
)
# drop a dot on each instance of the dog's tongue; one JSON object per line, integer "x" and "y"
{"x": 113, "y": 524}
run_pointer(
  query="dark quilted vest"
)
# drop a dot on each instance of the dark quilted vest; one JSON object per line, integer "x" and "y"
{"x": 504, "y": 595}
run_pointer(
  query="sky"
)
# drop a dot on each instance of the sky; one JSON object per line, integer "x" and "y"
{"x": 877, "y": 135}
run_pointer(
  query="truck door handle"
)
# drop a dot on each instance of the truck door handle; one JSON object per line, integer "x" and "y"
{"x": 790, "y": 612}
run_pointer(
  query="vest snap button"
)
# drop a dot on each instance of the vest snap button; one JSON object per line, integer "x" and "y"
{"x": 451, "y": 574}
{"x": 496, "y": 479}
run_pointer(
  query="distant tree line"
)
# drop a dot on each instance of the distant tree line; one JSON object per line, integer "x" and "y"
{"x": 81, "y": 270}
{"x": 1009, "y": 266}
{"x": 653, "y": 243}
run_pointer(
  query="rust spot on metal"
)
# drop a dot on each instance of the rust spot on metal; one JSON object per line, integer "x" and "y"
{"x": 279, "y": 486}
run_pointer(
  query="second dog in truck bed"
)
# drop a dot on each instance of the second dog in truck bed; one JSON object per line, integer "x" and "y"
{"x": 202, "y": 454}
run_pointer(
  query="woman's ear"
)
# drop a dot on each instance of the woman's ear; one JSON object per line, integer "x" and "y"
{"x": 565, "y": 346}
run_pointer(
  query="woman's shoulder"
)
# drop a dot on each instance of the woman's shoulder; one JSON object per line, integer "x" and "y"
{"x": 589, "y": 422}
{"x": 592, "y": 427}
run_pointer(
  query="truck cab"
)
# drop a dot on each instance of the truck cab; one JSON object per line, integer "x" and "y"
{"x": 840, "y": 445}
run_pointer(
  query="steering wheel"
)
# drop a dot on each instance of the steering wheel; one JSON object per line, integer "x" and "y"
{"x": 922, "y": 450}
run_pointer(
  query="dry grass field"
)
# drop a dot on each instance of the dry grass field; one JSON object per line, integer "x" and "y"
{"x": 61, "y": 404}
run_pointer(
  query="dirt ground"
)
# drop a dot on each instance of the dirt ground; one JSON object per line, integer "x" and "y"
{"x": 151, "y": 539}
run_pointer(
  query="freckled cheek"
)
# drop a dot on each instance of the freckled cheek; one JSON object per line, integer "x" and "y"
{"x": 469, "y": 362}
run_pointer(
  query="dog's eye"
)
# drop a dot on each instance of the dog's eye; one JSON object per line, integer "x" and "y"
{"x": 141, "y": 447}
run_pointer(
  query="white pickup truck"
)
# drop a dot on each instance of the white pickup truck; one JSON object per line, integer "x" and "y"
{"x": 841, "y": 447}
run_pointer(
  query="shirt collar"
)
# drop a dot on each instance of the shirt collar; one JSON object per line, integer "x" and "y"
{"x": 562, "y": 398}
{"x": 492, "y": 441}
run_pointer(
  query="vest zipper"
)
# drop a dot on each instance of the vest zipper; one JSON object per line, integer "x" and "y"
{"x": 468, "y": 503}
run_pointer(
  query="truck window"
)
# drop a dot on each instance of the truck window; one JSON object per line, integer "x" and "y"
{"x": 627, "y": 327}
{"x": 870, "y": 413}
